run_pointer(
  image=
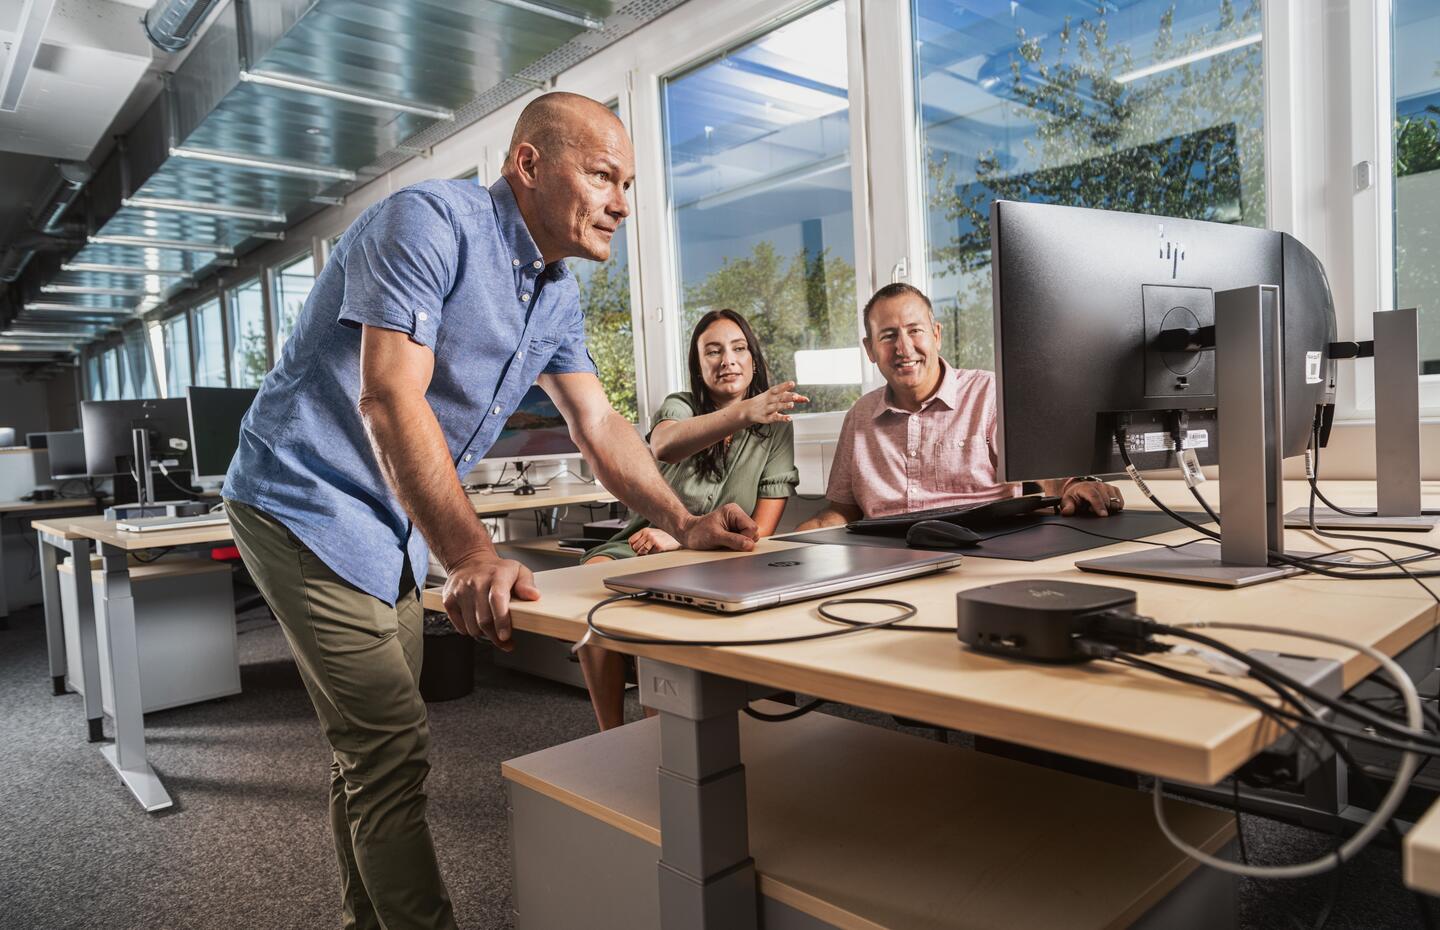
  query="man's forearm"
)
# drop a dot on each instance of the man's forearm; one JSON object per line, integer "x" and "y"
{"x": 415, "y": 460}
{"x": 626, "y": 468}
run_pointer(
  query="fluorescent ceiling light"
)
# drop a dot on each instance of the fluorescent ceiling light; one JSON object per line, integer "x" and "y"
{"x": 144, "y": 242}
{"x": 34, "y": 15}
{"x": 37, "y": 347}
{"x": 299, "y": 169}
{"x": 52, "y": 307}
{"x": 204, "y": 209}
{"x": 86, "y": 289}
{"x": 828, "y": 366}
{"x": 136, "y": 270}
{"x": 583, "y": 20}
{"x": 1190, "y": 59}
{"x": 765, "y": 184}
{"x": 340, "y": 92}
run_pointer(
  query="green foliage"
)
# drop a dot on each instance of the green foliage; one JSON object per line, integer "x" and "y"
{"x": 1184, "y": 142}
{"x": 792, "y": 303}
{"x": 1417, "y": 143}
{"x": 609, "y": 333}
{"x": 253, "y": 360}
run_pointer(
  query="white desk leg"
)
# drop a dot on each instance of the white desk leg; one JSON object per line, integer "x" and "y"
{"x": 115, "y": 626}
{"x": 89, "y": 640}
{"x": 50, "y": 549}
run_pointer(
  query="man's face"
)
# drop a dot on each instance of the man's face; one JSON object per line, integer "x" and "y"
{"x": 903, "y": 340}
{"x": 580, "y": 191}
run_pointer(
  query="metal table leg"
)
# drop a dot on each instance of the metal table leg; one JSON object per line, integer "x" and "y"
{"x": 706, "y": 875}
{"x": 50, "y": 549}
{"x": 115, "y": 628}
{"x": 4, "y": 594}
{"x": 89, "y": 640}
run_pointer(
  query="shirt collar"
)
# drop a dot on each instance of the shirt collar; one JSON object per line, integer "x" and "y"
{"x": 947, "y": 394}
{"x": 518, "y": 242}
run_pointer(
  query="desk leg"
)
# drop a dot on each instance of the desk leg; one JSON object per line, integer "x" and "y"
{"x": 115, "y": 626}
{"x": 4, "y": 594}
{"x": 89, "y": 640}
{"x": 706, "y": 875}
{"x": 50, "y": 550}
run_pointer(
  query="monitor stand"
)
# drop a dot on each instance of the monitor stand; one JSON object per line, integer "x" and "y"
{"x": 1250, "y": 406}
{"x": 1397, "y": 438}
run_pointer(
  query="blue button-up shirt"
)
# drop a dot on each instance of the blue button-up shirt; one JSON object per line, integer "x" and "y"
{"x": 452, "y": 265}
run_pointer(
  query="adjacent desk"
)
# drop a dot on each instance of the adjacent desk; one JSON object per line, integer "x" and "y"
{"x": 108, "y": 626}
{"x": 1099, "y": 712}
{"x": 22, "y": 510}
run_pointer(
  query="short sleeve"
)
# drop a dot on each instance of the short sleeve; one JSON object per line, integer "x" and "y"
{"x": 400, "y": 268}
{"x": 840, "y": 489}
{"x": 676, "y": 406}
{"x": 571, "y": 356}
{"x": 780, "y": 475}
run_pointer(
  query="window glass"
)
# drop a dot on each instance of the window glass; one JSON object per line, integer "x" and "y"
{"x": 209, "y": 344}
{"x": 292, "y": 286}
{"x": 1150, "y": 106}
{"x": 176, "y": 332}
{"x": 94, "y": 390}
{"x": 248, "y": 358}
{"x": 757, "y": 146}
{"x": 1416, "y": 63}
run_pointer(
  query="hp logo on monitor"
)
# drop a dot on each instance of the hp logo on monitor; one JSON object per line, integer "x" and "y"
{"x": 1172, "y": 252}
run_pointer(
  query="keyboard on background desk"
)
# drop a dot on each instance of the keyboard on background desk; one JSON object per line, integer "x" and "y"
{"x": 968, "y": 515}
{"x": 155, "y": 524}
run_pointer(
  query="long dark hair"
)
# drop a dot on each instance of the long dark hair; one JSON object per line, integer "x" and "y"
{"x": 710, "y": 461}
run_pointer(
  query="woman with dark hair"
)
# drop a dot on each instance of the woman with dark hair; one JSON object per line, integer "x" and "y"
{"x": 726, "y": 440}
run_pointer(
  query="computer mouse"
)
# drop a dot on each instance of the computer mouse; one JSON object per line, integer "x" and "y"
{"x": 525, "y": 489}
{"x": 938, "y": 534}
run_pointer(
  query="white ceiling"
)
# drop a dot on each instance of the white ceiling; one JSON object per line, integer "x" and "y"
{"x": 92, "y": 56}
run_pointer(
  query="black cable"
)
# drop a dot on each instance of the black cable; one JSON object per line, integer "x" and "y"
{"x": 1239, "y": 827}
{"x": 800, "y": 711}
{"x": 907, "y": 611}
{"x": 181, "y": 488}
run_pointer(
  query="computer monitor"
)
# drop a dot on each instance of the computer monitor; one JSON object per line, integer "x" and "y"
{"x": 535, "y": 432}
{"x": 7, "y": 437}
{"x": 108, "y": 426}
{"x": 1079, "y": 298}
{"x": 36, "y": 440}
{"x": 67, "y": 454}
{"x": 215, "y": 414}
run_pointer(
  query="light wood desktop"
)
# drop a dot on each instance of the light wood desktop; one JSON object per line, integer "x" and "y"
{"x": 1422, "y": 853}
{"x": 556, "y": 494}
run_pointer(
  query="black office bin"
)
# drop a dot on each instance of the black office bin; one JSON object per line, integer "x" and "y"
{"x": 448, "y": 669}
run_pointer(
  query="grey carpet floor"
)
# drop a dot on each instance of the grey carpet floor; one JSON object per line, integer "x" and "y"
{"x": 247, "y": 844}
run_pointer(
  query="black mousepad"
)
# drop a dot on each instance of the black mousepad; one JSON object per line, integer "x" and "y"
{"x": 1029, "y": 538}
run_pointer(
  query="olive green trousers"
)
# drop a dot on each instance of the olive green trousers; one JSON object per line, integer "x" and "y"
{"x": 360, "y": 661}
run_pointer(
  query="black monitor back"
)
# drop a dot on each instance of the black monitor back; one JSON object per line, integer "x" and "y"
{"x": 1079, "y": 296}
{"x": 215, "y": 415}
{"x": 108, "y": 425}
{"x": 67, "y": 454}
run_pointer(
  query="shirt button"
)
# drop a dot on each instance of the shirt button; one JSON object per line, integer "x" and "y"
{"x": 538, "y": 264}
{"x": 520, "y": 354}
{"x": 422, "y": 315}
{"x": 468, "y": 456}
{"x": 497, "y": 409}
{"x": 524, "y": 298}
{"x": 515, "y": 262}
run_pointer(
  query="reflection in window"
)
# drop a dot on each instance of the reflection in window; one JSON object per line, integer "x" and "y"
{"x": 758, "y": 150}
{"x": 292, "y": 286}
{"x": 176, "y": 336}
{"x": 209, "y": 345}
{"x": 1417, "y": 169}
{"x": 1148, "y": 107}
{"x": 248, "y": 358}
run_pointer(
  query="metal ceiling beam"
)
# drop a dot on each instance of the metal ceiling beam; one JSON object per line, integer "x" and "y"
{"x": 98, "y": 291}
{"x": 203, "y": 209}
{"x": 174, "y": 245}
{"x": 340, "y": 92}
{"x": 133, "y": 270}
{"x": 583, "y": 20}
{"x": 296, "y": 168}
{"x": 50, "y": 307}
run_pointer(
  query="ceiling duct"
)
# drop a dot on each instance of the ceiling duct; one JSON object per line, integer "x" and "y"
{"x": 69, "y": 180}
{"x": 171, "y": 24}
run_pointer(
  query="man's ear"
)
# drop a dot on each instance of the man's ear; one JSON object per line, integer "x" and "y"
{"x": 869, "y": 348}
{"x": 525, "y": 163}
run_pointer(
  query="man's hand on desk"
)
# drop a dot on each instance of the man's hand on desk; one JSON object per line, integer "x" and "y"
{"x": 726, "y": 528}
{"x": 477, "y": 596}
{"x": 1097, "y": 497}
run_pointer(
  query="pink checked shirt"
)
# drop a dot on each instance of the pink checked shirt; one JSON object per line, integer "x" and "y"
{"x": 890, "y": 461}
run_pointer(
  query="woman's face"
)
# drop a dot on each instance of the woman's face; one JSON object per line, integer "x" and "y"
{"x": 725, "y": 361}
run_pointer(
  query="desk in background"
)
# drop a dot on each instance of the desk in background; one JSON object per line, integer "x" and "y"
{"x": 15, "y": 513}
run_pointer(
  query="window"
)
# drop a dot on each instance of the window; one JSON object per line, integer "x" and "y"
{"x": 249, "y": 359}
{"x": 757, "y": 147}
{"x": 1149, "y": 107}
{"x": 292, "y": 286}
{"x": 112, "y": 374}
{"x": 94, "y": 390}
{"x": 1416, "y": 62}
{"x": 176, "y": 342}
{"x": 209, "y": 345}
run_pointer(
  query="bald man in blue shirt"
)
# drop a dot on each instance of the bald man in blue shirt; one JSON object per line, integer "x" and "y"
{"x": 438, "y": 309}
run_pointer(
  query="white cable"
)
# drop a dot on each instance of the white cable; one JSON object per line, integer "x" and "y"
{"x": 1409, "y": 763}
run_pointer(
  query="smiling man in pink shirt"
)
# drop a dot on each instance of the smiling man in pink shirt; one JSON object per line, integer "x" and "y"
{"x": 926, "y": 439}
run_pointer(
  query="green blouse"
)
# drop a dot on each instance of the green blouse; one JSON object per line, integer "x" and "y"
{"x": 760, "y": 463}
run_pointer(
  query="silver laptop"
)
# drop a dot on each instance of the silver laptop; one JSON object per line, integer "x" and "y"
{"x": 156, "y": 524}
{"x": 750, "y": 582}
